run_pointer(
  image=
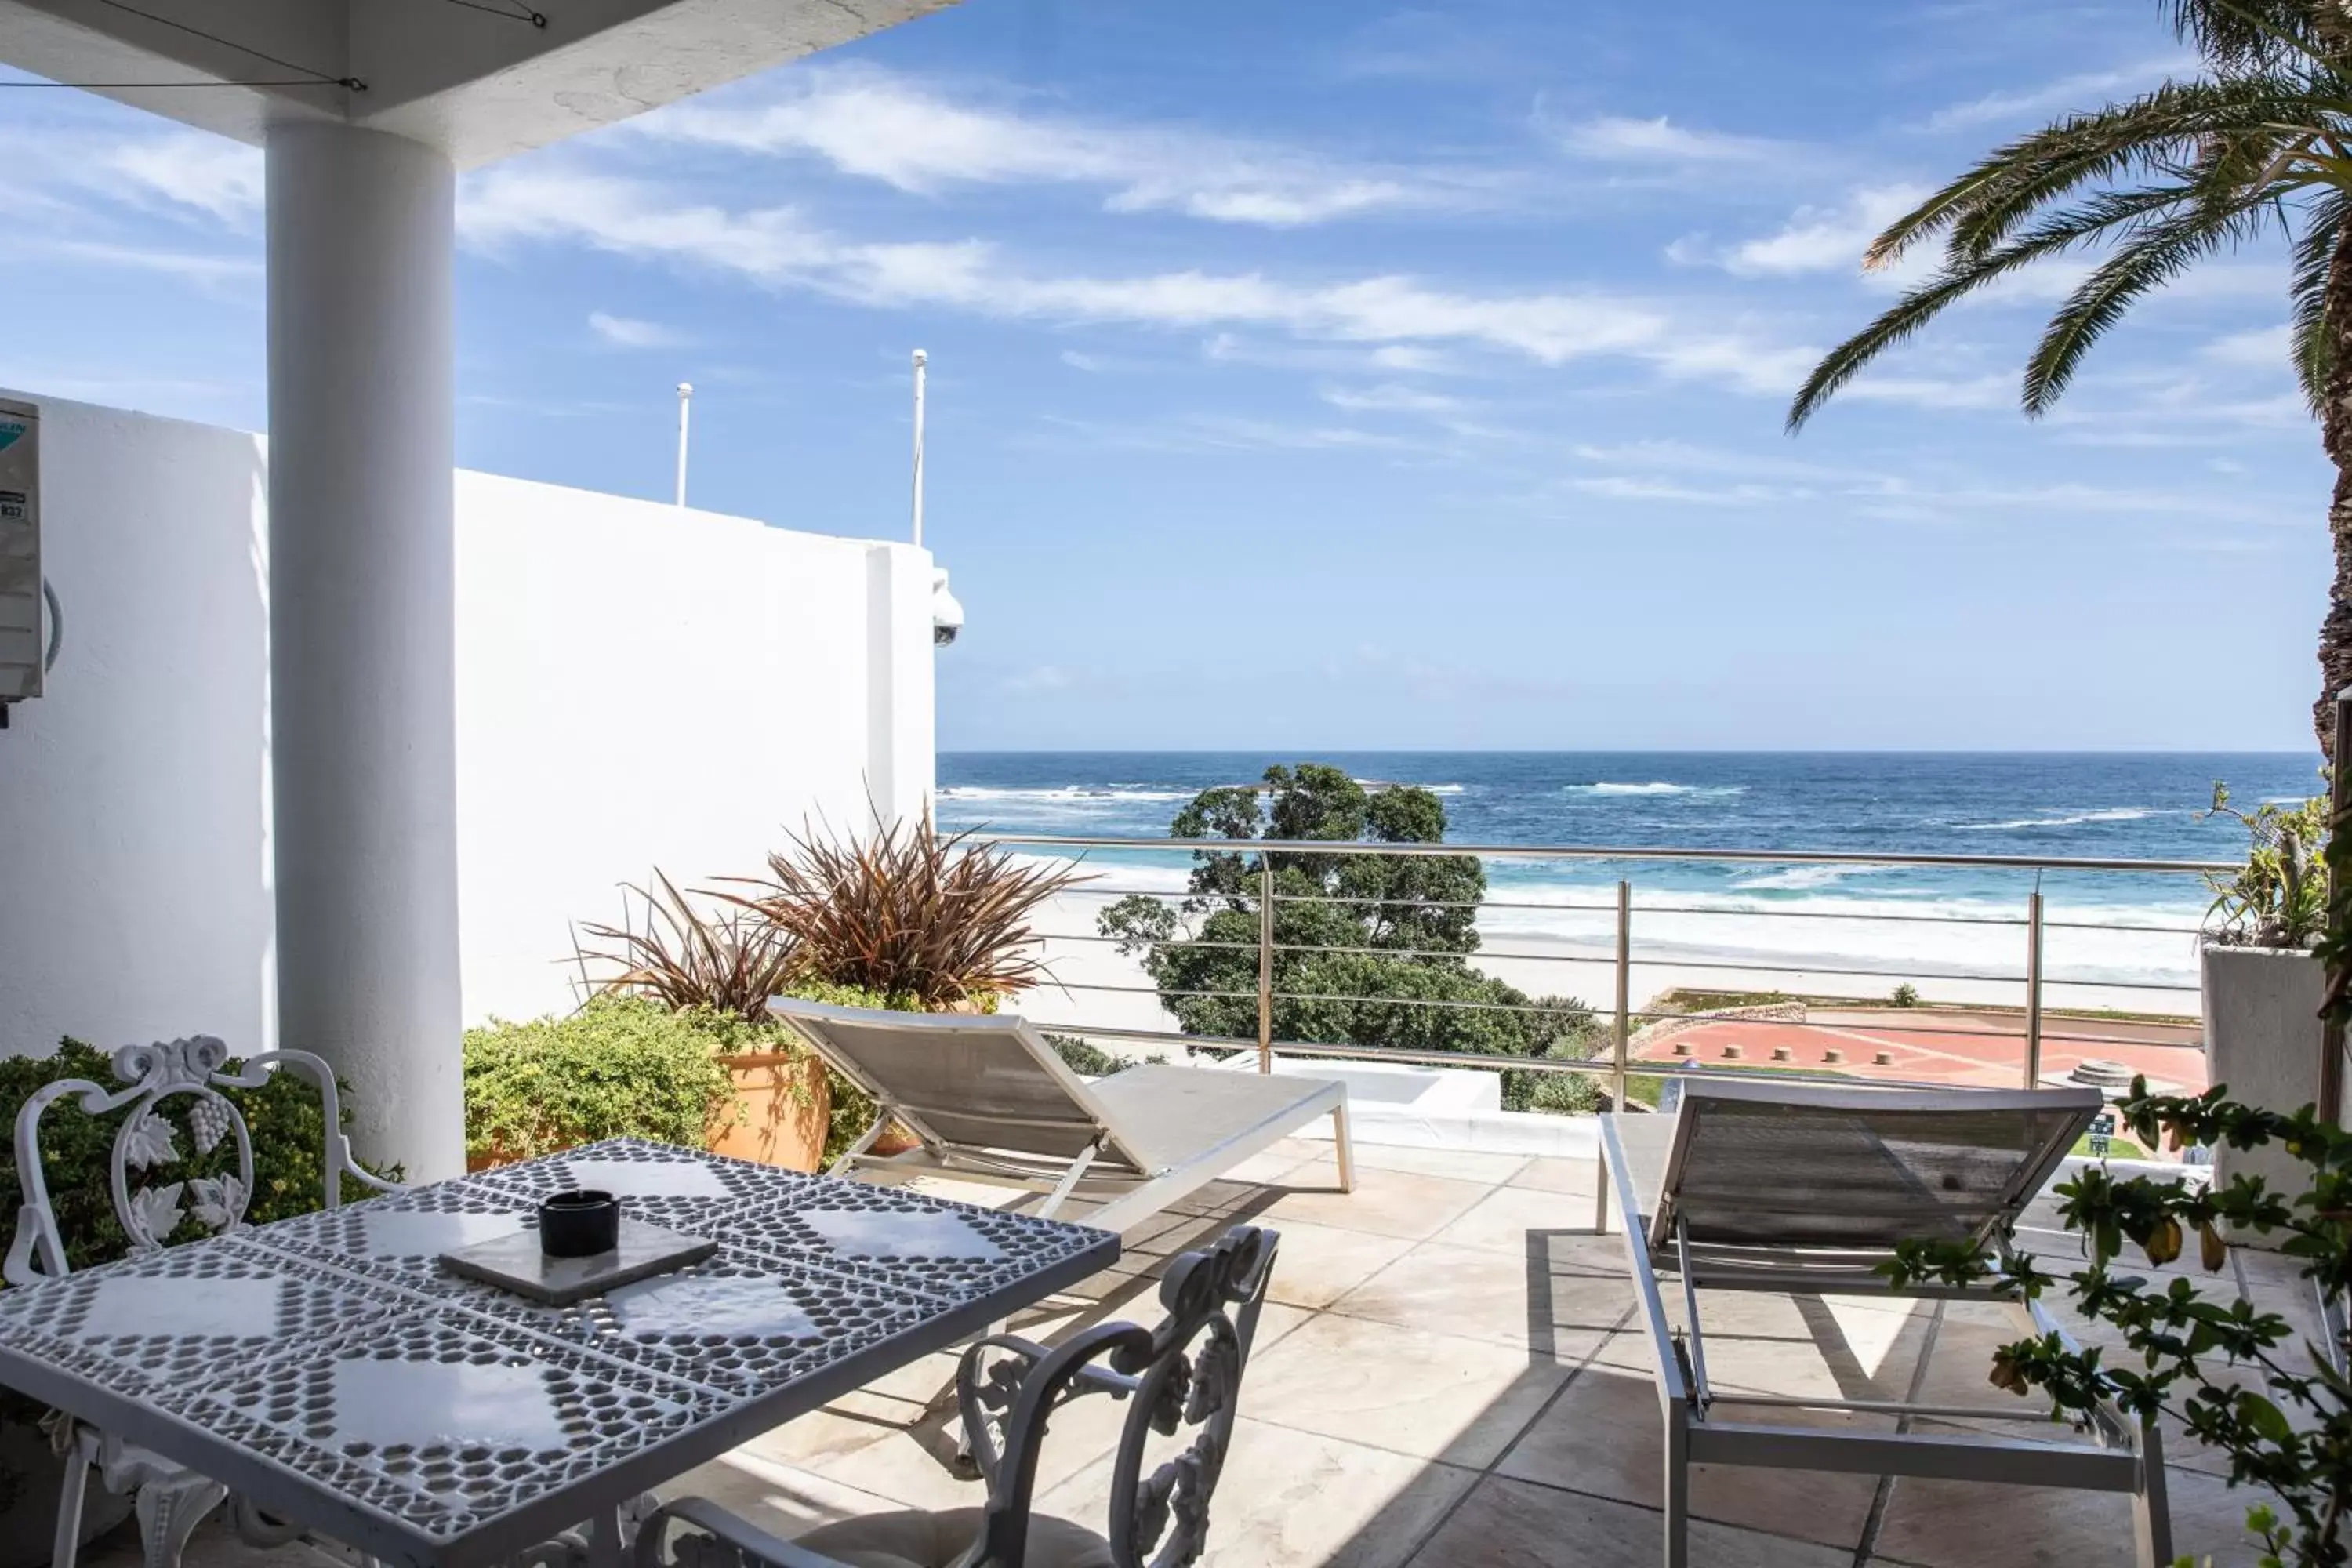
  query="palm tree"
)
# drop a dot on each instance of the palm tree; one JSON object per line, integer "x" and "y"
{"x": 2258, "y": 144}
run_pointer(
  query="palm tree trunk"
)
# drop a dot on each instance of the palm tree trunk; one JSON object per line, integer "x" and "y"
{"x": 2336, "y": 434}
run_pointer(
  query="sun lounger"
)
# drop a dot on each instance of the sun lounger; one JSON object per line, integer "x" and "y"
{"x": 991, "y": 1102}
{"x": 1800, "y": 1189}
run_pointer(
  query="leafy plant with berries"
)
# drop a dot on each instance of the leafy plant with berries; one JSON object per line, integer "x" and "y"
{"x": 2281, "y": 1413}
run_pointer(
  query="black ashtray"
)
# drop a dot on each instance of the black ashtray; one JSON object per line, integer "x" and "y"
{"x": 579, "y": 1224}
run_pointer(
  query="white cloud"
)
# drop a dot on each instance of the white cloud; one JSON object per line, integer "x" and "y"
{"x": 1775, "y": 369}
{"x": 1934, "y": 391}
{"x": 1078, "y": 361}
{"x": 2270, "y": 348}
{"x": 1814, "y": 239}
{"x": 1618, "y": 139}
{"x": 627, "y": 333}
{"x": 1390, "y": 398}
{"x": 1407, "y": 357}
{"x": 1623, "y": 487}
{"x": 877, "y": 124}
{"x": 2082, "y": 91}
{"x": 1683, "y": 456}
{"x": 1039, "y": 678}
{"x": 183, "y": 173}
{"x": 193, "y": 169}
{"x": 509, "y": 206}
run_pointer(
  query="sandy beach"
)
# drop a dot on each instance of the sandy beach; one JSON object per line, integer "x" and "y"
{"x": 1094, "y": 985}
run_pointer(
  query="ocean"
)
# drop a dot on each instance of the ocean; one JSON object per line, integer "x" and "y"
{"x": 2111, "y": 931}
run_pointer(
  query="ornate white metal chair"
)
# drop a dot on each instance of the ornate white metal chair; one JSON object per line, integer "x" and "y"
{"x": 1182, "y": 1379}
{"x": 170, "y": 1500}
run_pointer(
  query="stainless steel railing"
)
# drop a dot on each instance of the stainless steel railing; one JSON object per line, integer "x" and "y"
{"x": 2034, "y": 923}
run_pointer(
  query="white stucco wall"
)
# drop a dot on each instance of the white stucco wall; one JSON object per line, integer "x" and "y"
{"x": 637, "y": 686}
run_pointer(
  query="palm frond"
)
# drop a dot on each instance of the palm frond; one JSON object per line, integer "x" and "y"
{"x": 2313, "y": 348}
{"x": 2244, "y": 35}
{"x": 2154, "y": 134}
{"x": 2060, "y": 232}
{"x": 2149, "y": 259}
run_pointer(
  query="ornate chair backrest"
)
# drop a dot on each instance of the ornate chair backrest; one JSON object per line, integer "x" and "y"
{"x": 148, "y": 1140}
{"x": 1183, "y": 1380}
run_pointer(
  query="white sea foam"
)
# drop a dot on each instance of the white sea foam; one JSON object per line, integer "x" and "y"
{"x": 2111, "y": 813}
{"x": 1798, "y": 878}
{"x": 1654, "y": 787}
{"x": 1065, "y": 794}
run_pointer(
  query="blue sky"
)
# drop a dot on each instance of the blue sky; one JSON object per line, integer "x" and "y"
{"x": 1328, "y": 376}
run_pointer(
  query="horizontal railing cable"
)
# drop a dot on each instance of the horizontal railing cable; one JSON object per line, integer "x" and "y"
{"x": 1324, "y": 848}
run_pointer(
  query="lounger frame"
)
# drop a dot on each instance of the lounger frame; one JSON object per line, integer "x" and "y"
{"x": 1110, "y": 1171}
{"x": 2123, "y": 1454}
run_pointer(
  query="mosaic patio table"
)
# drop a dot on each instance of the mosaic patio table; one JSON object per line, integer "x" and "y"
{"x": 330, "y": 1371}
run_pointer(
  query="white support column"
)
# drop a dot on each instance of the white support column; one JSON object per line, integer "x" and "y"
{"x": 362, "y": 709}
{"x": 900, "y": 760}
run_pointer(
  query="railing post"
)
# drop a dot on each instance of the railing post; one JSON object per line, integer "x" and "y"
{"x": 1624, "y": 986}
{"x": 2033, "y": 989}
{"x": 1265, "y": 963}
{"x": 2330, "y": 1099}
{"x": 1621, "y": 1035}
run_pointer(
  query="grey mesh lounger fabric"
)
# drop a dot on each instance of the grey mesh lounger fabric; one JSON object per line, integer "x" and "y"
{"x": 991, "y": 1101}
{"x": 1802, "y": 1189}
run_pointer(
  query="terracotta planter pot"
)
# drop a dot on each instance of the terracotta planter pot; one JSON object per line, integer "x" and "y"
{"x": 786, "y": 1106}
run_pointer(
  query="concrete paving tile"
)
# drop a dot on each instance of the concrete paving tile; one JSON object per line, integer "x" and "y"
{"x": 1386, "y": 1203}
{"x": 1503, "y": 1218}
{"x": 1434, "y": 1396}
{"x": 1604, "y": 1436}
{"x": 1965, "y": 1524}
{"x": 1462, "y": 1164}
{"x": 1496, "y": 1297}
{"x": 1555, "y": 1173}
{"x": 1512, "y": 1524}
{"x": 1293, "y": 1499}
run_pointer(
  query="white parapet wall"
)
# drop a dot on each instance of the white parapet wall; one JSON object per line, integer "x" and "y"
{"x": 638, "y": 685}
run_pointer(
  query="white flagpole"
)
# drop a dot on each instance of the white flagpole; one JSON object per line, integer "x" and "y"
{"x": 685, "y": 403}
{"x": 921, "y": 359}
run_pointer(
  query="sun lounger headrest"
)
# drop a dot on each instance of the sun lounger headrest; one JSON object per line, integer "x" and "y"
{"x": 981, "y": 1082}
{"x": 1762, "y": 1165}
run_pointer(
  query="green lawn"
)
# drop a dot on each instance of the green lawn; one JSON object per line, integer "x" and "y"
{"x": 2118, "y": 1148}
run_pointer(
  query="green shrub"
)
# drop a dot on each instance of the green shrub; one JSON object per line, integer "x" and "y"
{"x": 1566, "y": 1094}
{"x": 1905, "y": 996}
{"x": 1560, "y": 1093}
{"x": 622, "y": 1066}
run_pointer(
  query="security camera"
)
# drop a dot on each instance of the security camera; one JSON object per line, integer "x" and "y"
{"x": 947, "y": 611}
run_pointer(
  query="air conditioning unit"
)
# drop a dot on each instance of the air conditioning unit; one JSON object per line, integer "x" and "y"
{"x": 22, "y": 650}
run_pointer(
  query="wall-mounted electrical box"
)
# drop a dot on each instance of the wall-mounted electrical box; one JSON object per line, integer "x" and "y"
{"x": 22, "y": 650}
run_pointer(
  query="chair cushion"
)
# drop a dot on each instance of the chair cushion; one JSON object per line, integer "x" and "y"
{"x": 936, "y": 1539}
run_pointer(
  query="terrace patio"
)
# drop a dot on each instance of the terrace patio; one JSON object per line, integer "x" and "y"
{"x": 1445, "y": 1374}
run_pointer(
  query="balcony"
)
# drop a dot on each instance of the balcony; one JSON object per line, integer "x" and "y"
{"x": 1450, "y": 1369}
{"x": 1446, "y": 1376}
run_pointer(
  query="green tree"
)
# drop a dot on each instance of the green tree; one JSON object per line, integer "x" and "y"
{"x": 1369, "y": 949}
{"x": 2257, "y": 143}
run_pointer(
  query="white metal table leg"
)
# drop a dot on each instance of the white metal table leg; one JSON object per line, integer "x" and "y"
{"x": 71, "y": 1493}
{"x": 1344, "y": 1147}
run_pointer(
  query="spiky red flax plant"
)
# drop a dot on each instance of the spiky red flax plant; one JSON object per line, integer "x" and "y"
{"x": 938, "y": 921}
{"x": 730, "y": 960}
